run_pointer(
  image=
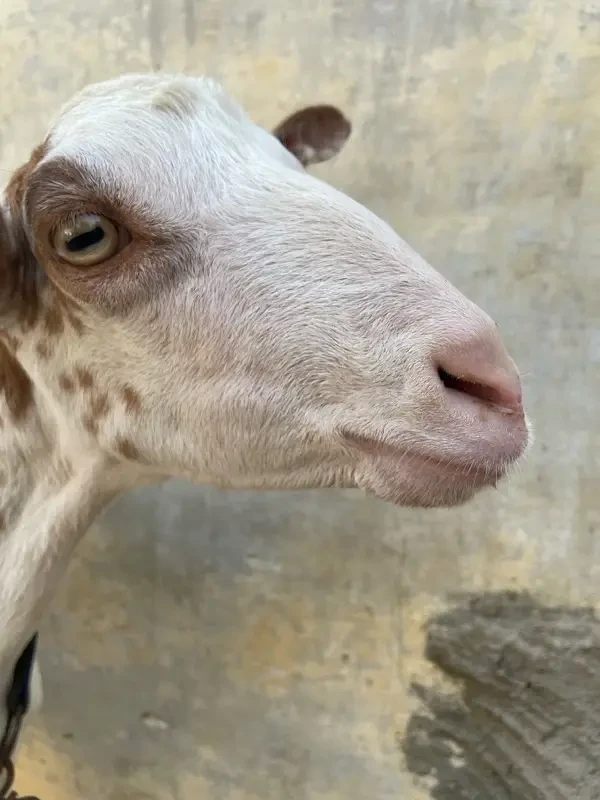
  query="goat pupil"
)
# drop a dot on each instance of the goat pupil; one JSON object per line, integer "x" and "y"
{"x": 85, "y": 240}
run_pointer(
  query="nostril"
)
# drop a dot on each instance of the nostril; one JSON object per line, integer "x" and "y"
{"x": 476, "y": 365}
{"x": 490, "y": 394}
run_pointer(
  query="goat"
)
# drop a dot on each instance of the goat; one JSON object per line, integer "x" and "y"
{"x": 179, "y": 297}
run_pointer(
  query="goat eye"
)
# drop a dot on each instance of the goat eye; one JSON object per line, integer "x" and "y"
{"x": 87, "y": 240}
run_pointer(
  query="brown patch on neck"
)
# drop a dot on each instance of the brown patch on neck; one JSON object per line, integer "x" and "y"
{"x": 15, "y": 384}
{"x": 131, "y": 399}
{"x": 98, "y": 409}
{"x": 53, "y": 323}
{"x": 85, "y": 378}
{"x": 127, "y": 448}
{"x": 66, "y": 383}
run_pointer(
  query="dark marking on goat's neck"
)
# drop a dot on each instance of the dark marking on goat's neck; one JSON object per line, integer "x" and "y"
{"x": 15, "y": 386}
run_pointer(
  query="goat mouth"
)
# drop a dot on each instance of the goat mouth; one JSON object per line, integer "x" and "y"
{"x": 409, "y": 478}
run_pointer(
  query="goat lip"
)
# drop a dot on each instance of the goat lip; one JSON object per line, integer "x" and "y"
{"x": 378, "y": 449}
{"x": 418, "y": 461}
{"x": 410, "y": 478}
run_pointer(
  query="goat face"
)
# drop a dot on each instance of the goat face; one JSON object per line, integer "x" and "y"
{"x": 242, "y": 322}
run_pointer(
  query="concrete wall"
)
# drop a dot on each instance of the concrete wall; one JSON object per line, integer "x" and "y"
{"x": 209, "y": 646}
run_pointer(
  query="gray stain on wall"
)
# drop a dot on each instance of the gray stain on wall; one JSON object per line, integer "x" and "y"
{"x": 526, "y": 725}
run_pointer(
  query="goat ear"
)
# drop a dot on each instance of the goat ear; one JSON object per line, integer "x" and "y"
{"x": 314, "y": 134}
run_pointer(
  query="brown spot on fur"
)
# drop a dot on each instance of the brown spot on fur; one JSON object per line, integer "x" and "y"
{"x": 43, "y": 350}
{"x": 15, "y": 384}
{"x": 127, "y": 449}
{"x": 53, "y": 321}
{"x": 132, "y": 399}
{"x": 100, "y": 406}
{"x": 84, "y": 378}
{"x": 66, "y": 384}
{"x": 2, "y": 521}
{"x": 90, "y": 424}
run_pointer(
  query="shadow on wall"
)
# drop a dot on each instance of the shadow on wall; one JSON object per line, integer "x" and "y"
{"x": 526, "y": 725}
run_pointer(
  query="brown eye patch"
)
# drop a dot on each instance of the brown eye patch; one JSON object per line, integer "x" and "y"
{"x": 93, "y": 240}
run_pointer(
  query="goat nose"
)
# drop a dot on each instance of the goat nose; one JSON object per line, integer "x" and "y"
{"x": 480, "y": 367}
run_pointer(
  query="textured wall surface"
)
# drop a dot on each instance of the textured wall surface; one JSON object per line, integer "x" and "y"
{"x": 322, "y": 646}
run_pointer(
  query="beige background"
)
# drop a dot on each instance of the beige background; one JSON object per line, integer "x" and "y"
{"x": 209, "y": 646}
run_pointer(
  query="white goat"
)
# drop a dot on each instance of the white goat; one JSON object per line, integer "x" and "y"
{"x": 178, "y": 297}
